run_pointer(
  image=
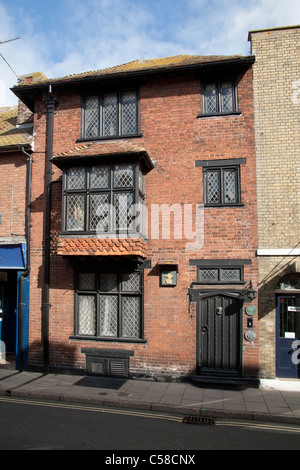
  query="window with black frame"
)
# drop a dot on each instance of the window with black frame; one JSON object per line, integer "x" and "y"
{"x": 104, "y": 199}
{"x": 220, "y": 275}
{"x": 219, "y": 97}
{"x": 110, "y": 115}
{"x": 109, "y": 305}
{"x": 221, "y": 186}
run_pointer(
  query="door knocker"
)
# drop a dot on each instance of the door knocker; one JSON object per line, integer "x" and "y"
{"x": 219, "y": 310}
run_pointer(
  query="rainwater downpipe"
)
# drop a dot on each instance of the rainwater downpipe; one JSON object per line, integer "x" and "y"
{"x": 26, "y": 273}
{"x": 50, "y": 103}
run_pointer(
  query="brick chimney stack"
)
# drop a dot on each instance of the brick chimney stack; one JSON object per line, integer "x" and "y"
{"x": 24, "y": 114}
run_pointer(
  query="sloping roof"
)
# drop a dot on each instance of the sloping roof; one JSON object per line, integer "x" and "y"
{"x": 140, "y": 65}
{"x": 103, "y": 150}
{"x": 10, "y": 134}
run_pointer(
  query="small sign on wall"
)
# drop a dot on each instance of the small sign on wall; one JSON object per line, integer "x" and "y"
{"x": 168, "y": 277}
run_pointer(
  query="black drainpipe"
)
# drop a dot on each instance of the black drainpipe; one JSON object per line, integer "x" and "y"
{"x": 25, "y": 273}
{"x": 50, "y": 103}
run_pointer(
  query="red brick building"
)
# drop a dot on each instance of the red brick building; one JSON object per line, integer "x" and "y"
{"x": 143, "y": 219}
{"x": 16, "y": 126}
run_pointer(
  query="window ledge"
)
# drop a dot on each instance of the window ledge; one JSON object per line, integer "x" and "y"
{"x": 232, "y": 113}
{"x": 207, "y": 283}
{"x": 114, "y": 137}
{"x": 106, "y": 339}
{"x": 238, "y": 204}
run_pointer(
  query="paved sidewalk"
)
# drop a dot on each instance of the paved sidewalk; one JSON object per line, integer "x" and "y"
{"x": 261, "y": 404}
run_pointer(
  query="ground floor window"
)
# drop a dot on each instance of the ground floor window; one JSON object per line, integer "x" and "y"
{"x": 109, "y": 305}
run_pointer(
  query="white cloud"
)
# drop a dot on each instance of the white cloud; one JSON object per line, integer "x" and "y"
{"x": 101, "y": 33}
{"x": 109, "y": 33}
{"x": 221, "y": 26}
{"x": 25, "y": 56}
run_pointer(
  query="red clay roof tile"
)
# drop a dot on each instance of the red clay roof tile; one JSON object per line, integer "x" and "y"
{"x": 102, "y": 247}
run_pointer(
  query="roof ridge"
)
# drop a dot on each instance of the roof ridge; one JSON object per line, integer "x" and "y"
{"x": 136, "y": 65}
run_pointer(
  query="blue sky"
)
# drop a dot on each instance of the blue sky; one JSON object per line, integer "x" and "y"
{"x": 63, "y": 37}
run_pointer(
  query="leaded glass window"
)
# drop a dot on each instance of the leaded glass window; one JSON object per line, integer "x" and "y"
{"x": 87, "y": 281}
{"x": 76, "y": 178}
{"x": 213, "y": 187}
{"x": 209, "y": 275}
{"x": 111, "y": 115}
{"x": 87, "y": 315}
{"x": 75, "y": 212}
{"x": 124, "y": 211}
{"x": 131, "y": 316}
{"x": 92, "y": 120}
{"x": 123, "y": 175}
{"x": 227, "y": 97}
{"x": 221, "y": 186}
{"x": 104, "y": 199}
{"x": 129, "y": 113}
{"x": 109, "y": 305}
{"x": 219, "y": 98}
{"x": 99, "y": 177}
{"x": 220, "y": 275}
{"x": 108, "y": 315}
{"x": 211, "y": 99}
{"x": 230, "y": 189}
{"x": 99, "y": 212}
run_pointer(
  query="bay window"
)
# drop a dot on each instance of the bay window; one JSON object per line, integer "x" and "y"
{"x": 104, "y": 199}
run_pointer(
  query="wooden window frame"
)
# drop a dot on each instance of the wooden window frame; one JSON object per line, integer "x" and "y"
{"x": 218, "y": 87}
{"x": 100, "y": 96}
{"x": 221, "y": 186}
{"x": 87, "y": 192}
{"x": 97, "y": 292}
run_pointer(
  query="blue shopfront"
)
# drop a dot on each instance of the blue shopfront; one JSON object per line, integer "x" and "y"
{"x": 14, "y": 304}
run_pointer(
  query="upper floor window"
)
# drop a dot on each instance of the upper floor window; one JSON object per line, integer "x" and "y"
{"x": 219, "y": 98}
{"x": 221, "y": 186}
{"x": 222, "y": 181}
{"x": 110, "y": 115}
{"x": 106, "y": 199}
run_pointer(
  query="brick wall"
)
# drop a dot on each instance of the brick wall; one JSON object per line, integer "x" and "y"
{"x": 13, "y": 194}
{"x": 277, "y": 100}
{"x": 174, "y": 138}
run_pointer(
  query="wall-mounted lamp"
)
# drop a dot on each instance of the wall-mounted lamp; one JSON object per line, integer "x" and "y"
{"x": 251, "y": 293}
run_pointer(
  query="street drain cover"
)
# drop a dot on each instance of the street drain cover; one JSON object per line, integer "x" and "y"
{"x": 198, "y": 420}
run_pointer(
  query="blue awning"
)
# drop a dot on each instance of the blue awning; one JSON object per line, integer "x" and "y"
{"x": 13, "y": 256}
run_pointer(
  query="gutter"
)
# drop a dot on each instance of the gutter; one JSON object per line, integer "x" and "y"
{"x": 26, "y": 273}
{"x": 15, "y": 148}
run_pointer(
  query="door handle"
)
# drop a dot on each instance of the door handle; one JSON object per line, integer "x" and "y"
{"x": 204, "y": 329}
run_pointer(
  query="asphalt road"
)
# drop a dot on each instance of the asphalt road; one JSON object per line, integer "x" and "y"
{"x": 39, "y": 425}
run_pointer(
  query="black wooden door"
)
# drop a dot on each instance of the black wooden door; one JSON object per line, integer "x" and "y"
{"x": 219, "y": 334}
